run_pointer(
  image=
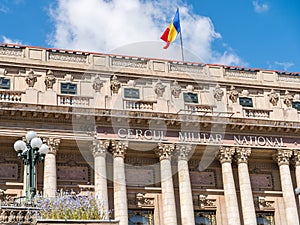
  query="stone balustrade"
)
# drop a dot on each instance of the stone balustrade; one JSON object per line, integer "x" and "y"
{"x": 138, "y": 105}
{"x": 257, "y": 113}
{"x": 17, "y": 215}
{"x": 10, "y": 96}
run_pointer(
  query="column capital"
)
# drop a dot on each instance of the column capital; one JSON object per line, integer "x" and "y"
{"x": 282, "y": 157}
{"x": 225, "y": 154}
{"x": 296, "y": 157}
{"x": 52, "y": 143}
{"x": 183, "y": 151}
{"x": 242, "y": 154}
{"x": 164, "y": 151}
{"x": 99, "y": 147}
{"x": 118, "y": 148}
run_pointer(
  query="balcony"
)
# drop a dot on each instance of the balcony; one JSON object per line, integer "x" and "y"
{"x": 138, "y": 105}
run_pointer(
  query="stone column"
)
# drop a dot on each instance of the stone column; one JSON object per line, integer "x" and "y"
{"x": 50, "y": 182}
{"x": 118, "y": 149}
{"x": 164, "y": 152}
{"x": 185, "y": 190}
{"x": 248, "y": 208}
{"x": 99, "y": 151}
{"x": 225, "y": 157}
{"x": 297, "y": 168}
{"x": 283, "y": 159}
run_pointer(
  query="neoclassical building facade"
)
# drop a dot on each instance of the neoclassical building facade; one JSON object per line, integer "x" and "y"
{"x": 159, "y": 142}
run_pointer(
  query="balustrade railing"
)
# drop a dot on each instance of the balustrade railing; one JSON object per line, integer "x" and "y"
{"x": 70, "y": 100}
{"x": 138, "y": 105}
{"x": 10, "y": 96}
{"x": 257, "y": 113}
{"x": 194, "y": 108}
{"x": 17, "y": 215}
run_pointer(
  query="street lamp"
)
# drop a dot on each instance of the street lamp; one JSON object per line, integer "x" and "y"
{"x": 31, "y": 153}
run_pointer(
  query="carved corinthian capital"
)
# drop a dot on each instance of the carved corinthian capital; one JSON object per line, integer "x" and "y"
{"x": 282, "y": 157}
{"x": 118, "y": 148}
{"x": 52, "y": 143}
{"x": 99, "y": 147}
{"x": 183, "y": 151}
{"x": 242, "y": 154}
{"x": 225, "y": 154}
{"x": 164, "y": 151}
{"x": 297, "y": 157}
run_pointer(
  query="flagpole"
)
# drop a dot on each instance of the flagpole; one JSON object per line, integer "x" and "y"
{"x": 182, "y": 56}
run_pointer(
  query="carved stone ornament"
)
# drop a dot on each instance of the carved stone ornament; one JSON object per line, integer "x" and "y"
{"x": 164, "y": 151}
{"x": 69, "y": 78}
{"x": 31, "y": 78}
{"x": 242, "y": 154}
{"x": 233, "y": 94}
{"x": 144, "y": 202}
{"x": 218, "y": 93}
{"x": 99, "y": 147}
{"x": 118, "y": 148}
{"x": 50, "y": 80}
{"x": 183, "y": 151}
{"x": 282, "y": 157}
{"x": 205, "y": 203}
{"x": 159, "y": 89}
{"x": 115, "y": 85}
{"x": 273, "y": 98}
{"x": 288, "y": 99}
{"x": 97, "y": 84}
{"x": 53, "y": 144}
{"x": 296, "y": 157}
{"x": 225, "y": 154}
{"x": 263, "y": 204}
{"x": 175, "y": 89}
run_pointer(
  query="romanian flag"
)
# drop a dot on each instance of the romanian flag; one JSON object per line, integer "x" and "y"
{"x": 172, "y": 30}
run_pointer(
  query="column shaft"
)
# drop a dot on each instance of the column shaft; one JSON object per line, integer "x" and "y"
{"x": 50, "y": 182}
{"x": 248, "y": 209}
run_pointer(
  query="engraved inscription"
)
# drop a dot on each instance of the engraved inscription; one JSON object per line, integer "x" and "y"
{"x": 140, "y": 64}
{"x": 187, "y": 68}
{"x": 56, "y": 56}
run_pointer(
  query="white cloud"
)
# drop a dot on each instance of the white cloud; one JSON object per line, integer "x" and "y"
{"x": 115, "y": 25}
{"x": 11, "y": 41}
{"x": 3, "y": 9}
{"x": 284, "y": 65}
{"x": 260, "y": 7}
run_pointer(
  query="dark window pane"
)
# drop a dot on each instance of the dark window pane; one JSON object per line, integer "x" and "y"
{"x": 4, "y": 83}
{"x": 68, "y": 88}
{"x": 131, "y": 93}
{"x": 247, "y": 102}
{"x": 190, "y": 97}
{"x": 296, "y": 105}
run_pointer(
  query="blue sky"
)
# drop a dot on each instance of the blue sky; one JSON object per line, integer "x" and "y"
{"x": 256, "y": 34}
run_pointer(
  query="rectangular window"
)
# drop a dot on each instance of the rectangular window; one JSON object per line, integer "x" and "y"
{"x": 131, "y": 93}
{"x": 247, "y": 102}
{"x": 190, "y": 97}
{"x": 265, "y": 218}
{"x": 296, "y": 105}
{"x": 4, "y": 83}
{"x": 205, "y": 217}
{"x": 140, "y": 217}
{"x": 68, "y": 88}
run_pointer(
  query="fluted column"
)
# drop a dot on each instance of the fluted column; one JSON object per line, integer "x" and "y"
{"x": 120, "y": 194}
{"x": 185, "y": 190}
{"x": 297, "y": 168}
{"x": 248, "y": 208}
{"x": 164, "y": 152}
{"x": 232, "y": 210}
{"x": 99, "y": 152}
{"x": 283, "y": 159}
{"x": 50, "y": 182}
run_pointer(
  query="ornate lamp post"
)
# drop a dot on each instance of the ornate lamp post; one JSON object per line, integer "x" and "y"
{"x": 31, "y": 152}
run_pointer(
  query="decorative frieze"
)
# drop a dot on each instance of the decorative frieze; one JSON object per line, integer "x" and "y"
{"x": 206, "y": 203}
{"x": 11, "y": 51}
{"x": 242, "y": 154}
{"x": 67, "y": 57}
{"x": 132, "y": 63}
{"x": 144, "y": 202}
{"x": 165, "y": 151}
{"x": 288, "y": 78}
{"x": 241, "y": 74}
{"x": 225, "y": 154}
{"x": 283, "y": 156}
{"x": 198, "y": 69}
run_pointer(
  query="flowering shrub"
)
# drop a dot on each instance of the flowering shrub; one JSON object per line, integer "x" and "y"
{"x": 70, "y": 206}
